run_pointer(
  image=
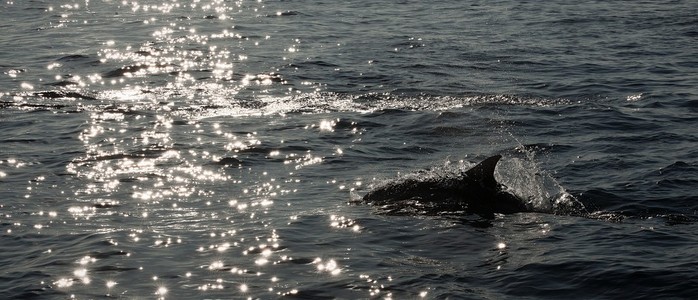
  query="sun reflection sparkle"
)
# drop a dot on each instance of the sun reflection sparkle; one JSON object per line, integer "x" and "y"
{"x": 64, "y": 282}
{"x": 329, "y": 266}
{"x": 344, "y": 222}
{"x": 161, "y": 291}
{"x": 216, "y": 265}
{"x": 110, "y": 284}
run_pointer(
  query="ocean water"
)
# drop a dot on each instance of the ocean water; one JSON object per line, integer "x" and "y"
{"x": 211, "y": 149}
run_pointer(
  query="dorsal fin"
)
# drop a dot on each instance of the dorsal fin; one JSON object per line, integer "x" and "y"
{"x": 484, "y": 171}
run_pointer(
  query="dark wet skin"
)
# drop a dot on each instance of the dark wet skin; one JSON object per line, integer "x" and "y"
{"x": 473, "y": 192}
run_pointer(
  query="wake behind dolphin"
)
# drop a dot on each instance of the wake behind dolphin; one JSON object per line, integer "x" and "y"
{"x": 474, "y": 191}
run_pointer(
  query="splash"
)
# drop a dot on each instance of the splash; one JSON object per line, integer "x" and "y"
{"x": 523, "y": 176}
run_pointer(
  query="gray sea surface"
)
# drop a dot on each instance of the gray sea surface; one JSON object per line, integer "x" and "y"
{"x": 211, "y": 149}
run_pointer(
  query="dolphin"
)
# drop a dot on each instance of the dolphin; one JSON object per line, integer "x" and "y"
{"x": 474, "y": 191}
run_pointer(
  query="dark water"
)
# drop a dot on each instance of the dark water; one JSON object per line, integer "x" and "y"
{"x": 189, "y": 149}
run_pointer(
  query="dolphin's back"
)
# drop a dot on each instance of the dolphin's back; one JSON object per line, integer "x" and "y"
{"x": 473, "y": 191}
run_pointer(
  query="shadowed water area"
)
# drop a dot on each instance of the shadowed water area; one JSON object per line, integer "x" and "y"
{"x": 207, "y": 149}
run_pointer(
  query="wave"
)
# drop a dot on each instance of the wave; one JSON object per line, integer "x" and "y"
{"x": 226, "y": 102}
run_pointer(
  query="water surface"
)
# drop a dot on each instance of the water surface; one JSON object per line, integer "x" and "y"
{"x": 194, "y": 149}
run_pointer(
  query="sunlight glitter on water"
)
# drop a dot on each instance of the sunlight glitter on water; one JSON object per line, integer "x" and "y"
{"x": 161, "y": 292}
{"x": 110, "y": 284}
{"x": 178, "y": 55}
{"x": 330, "y": 266}
{"x": 64, "y": 282}
{"x": 344, "y": 222}
{"x": 327, "y": 125}
{"x": 81, "y": 273}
